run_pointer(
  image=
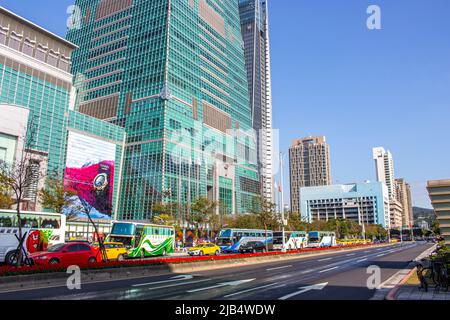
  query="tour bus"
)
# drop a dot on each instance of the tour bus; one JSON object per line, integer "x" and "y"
{"x": 293, "y": 240}
{"x": 143, "y": 239}
{"x": 42, "y": 230}
{"x": 230, "y": 240}
{"x": 319, "y": 239}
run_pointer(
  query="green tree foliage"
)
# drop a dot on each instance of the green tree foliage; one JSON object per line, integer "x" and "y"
{"x": 267, "y": 216}
{"x": 295, "y": 223}
{"x": 163, "y": 213}
{"x": 6, "y": 199}
{"x": 55, "y": 197}
{"x": 436, "y": 228}
{"x": 202, "y": 212}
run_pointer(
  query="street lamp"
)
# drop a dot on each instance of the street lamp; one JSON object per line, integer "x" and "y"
{"x": 282, "y": 203}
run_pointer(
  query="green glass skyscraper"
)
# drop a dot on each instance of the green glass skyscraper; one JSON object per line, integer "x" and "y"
{"x": 172, "y": 73}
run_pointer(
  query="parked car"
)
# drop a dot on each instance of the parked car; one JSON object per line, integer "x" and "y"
{"x": 204, "y": 249}
{"x": 72, "y": 253}
{"x": 114, "y": 250}
{"x": 252, "y": 247}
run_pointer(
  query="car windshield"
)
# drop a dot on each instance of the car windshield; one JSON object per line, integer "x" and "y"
{"x": 56, "y": 247}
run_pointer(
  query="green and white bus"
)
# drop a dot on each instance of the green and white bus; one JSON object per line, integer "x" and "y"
{"x": 143, "y": 239}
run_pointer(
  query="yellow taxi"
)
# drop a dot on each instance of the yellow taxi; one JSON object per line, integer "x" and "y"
{"x": 204, "y": 249}
{"x": 115, "y": 251}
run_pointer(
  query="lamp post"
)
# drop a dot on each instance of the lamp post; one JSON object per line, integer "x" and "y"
{"x": 282, "y": 204}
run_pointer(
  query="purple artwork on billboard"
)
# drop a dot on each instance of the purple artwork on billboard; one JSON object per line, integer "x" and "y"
{"x": 90, "y": 173}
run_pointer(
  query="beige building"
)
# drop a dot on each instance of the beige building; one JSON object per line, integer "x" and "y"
{"x": 404, "y": 196}
{"x": 309, "y": 166}
{"x": 396, "y": 214}
{"x": 439, "y": 191}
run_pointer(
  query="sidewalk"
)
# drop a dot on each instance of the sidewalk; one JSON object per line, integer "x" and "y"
{"x": 408, "y": 288}
{"x": 412, "y": 292}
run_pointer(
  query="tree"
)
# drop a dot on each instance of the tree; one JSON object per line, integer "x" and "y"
{"x": 87, "y": 208}
{"x": 267, "y": 216}
{"x": 18, "y": 177}
{"x": 436, "y": 228}
{"x": 6, "y": 199}
{"x": 56, "y": 198}
{"x": 202, "y": 212}
{"x": 295, "y": 223}
{"x": 246, "y": 221}
{"x": 163, "y": 213}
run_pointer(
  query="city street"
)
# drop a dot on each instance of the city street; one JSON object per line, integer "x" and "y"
{"x": 340, "y": 275}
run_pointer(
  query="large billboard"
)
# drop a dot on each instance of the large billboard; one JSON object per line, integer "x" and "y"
{"x": 90, "y": 175}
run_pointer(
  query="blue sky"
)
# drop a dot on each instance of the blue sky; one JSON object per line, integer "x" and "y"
{"x": 360, "y": 88}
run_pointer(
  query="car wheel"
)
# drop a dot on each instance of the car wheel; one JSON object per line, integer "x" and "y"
{"x": 53, "y": 262}
{"x": 11, "y": 258}
{"x": 143, "y": 254}
{"x": 92, "y": 260}
{"x": 217, "y": 252}
{"x": 120, "y": 257}
{"x": 254, "y": 251}
{"x": 164, "y": 253}
{"x": 201, "y": 253}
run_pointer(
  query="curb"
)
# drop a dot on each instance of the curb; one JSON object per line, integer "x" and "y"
{"x": 394, "y": 291}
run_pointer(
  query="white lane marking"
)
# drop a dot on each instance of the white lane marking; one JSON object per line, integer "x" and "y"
{"x": 176, "y": 285}
{"x": 224, "y": 284}
{"x": 319, "y": 286}
{"x": 174, "y": 279}
{"x": 307, "y": 271}
{"x": 381, "y": 255}
{"x": 361, "y": 260}
{"x": 325, "y": 259}
{"x": 253, "y": 289}
{"x": 277, "y": 268}
{"x": 326, "y": 270}
{"x": 350, "y": 254}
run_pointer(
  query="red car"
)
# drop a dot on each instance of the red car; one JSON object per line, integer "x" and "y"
{"x": 66, "y": 254}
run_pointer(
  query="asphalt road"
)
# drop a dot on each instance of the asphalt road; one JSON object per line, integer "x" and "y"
{"x": 340, "y": 275}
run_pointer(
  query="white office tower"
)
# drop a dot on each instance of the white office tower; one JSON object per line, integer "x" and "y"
{"x": 384, "y": 164}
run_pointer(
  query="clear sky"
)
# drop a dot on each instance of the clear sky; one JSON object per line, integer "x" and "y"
{"x": 360, "y": 88}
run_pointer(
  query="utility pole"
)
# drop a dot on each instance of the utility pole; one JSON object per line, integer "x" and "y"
{"x": 282, "y": 203}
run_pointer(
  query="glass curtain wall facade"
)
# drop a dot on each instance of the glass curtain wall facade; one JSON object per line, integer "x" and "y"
{"x": 255, "y": 33}
{"x": 172, "y": 73}
{"x": 36, "y": 89}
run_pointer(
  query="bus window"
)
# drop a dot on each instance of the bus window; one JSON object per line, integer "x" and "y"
{"x": 49, "y": 223}
{"x": 29, "y": 222}
{"x": 225, "y": 234}
{"x": 6, "y": 222}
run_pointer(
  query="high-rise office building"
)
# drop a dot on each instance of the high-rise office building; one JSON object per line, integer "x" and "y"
{"x": 255, "y": 32}
{"x": 405, "y": 197}
{"x": 36, "y": 114}
{"x": 309, "y": 165}
{"x": 439, "y": 192}
{"x": 384, "y": 164}
{"x": 172, "y": 73}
